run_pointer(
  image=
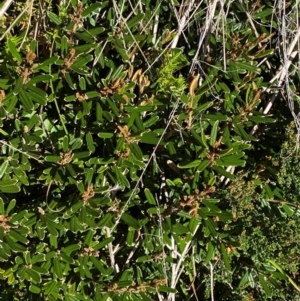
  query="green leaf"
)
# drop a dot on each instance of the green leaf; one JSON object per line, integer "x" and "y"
{"x": 41, "y": 78}
{"x": 179, "y": 229}
{"x": 210, "y": 252}
{"x": 82, "y": 61}
{"x": 39, "y": 270}
{"x": 51, "y": 287}
{"x": 53, "y": 17}
{"x": 243, "y": 67}
{"x": 34, "y": 289}
{"x": 77, "y": 143}
{"x": 214, "y": 117}
{"x": 205, "y": 106}
{"x": 106, "y": 135}
{"x": 13, "y": 50}
{"x": 103, "y": 243}
{"x": 90, "y": 142}
{"x": 46, "y": 63}
{"x": 36, "y": 277}
{"x": 57, "y": 268}
{"x": 129, "y": 220}
{"x": 211, "y": 206}
{"x": 89, "y": 237}
{"x": 16, "y": 247}
{"x": 214, "y": 132}
{"x": 16, "y": 217}
{"x": 105, "y": 220}
{"x": 65, "y": 258}
{"x": 263, "y": 13}
{"x": 17, "y": 236}
{"x": 130, "y": 237}
{"x": 135, "y": 20}
{"x": 2, "y": 211}
{"x": 10, "y": 206}
{"x": 121, "y": 179}
{"x": 17, "y": 87}
{"x": 37, "y": 94}
{"x": 238, "y": 128}
{"x": 26, "y": 100}
{"x": 166, "y": 289}
{"x": 260, "y": 119}
{"x": 54, "y": 159}
{"x": 70, "y": 249}
{"x": 203, "y": 165}
{"x": 38, "y": 258}
{"x": 265, "y": 53}
{"x": 288, "y": 210}
{"x": 10, "y": 189}
{"x": 244, "y": 281}
{"x": 192, "y": 164}
{"x": 230, "y": 161}
{"x": 211, "y": 225}
{"x": 223, "y": 172}
{"x": 149, "y": 196}
{"x": 150, "y": 138}
{"x": 264, "y": 285}
{"x": 12, "y": 103}
{"x": 91, "y": 8}
{"x": 225, "y": 257}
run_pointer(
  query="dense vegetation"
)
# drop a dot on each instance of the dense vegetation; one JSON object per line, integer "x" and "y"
{"x": 149, "y": 150}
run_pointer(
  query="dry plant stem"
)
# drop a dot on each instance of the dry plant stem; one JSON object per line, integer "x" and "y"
{"x": 135, "y": 41}
{"x": 30, "y": 8}
{"x": 182, "y": 22}
{"x": 5, "y": 7}
{"x": 148, "y": 163}
{"x": 161, "y": 239}
{"x": 111, "y": 252}
{"x": 195, "y": 274}
{"x": 19, "y": 151}
{"x": 178, "y": 269}
{"x": 155, "y": 28}
{"x": 207, "y": 27}
{"x": 211, "y": 281}
{"x": 222, "y": 16}
{"x": 162, "y": 244}
{"x": 281, "y": 76}
{"x": 223, "y": 33}
{"x": 254, "y": 28}
{"x": 132, "y": 251}
{"x": 15, "y": 21}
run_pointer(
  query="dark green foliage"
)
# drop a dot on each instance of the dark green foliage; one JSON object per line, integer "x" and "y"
{"x": 98, "y": 106}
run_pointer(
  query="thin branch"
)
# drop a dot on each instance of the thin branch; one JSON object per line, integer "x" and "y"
{"x": 5, "y": 7}
{"x": 182, "y": 23}
{"x": 210, "y": 15}
{"x": 147, "y": 165}
{"x": 111, "y": 252}
{"x": 211, "y": 282}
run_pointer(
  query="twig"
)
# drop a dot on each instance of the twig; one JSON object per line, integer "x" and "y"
{"x": 5, "y": 7}
{"x": 182, "y": 23}
{"x": 178, "y": 269}
{"x": 148, "y": 163}
{"x": 210, "y": 15}
{"x": 19, "y": 151}
{"x": 111, "y": 252}
{"x": 281, "y": 76}
{"x": 155, "y": 28}
{"x": 15, "y": 21}
{"x": 211, "y": 282}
